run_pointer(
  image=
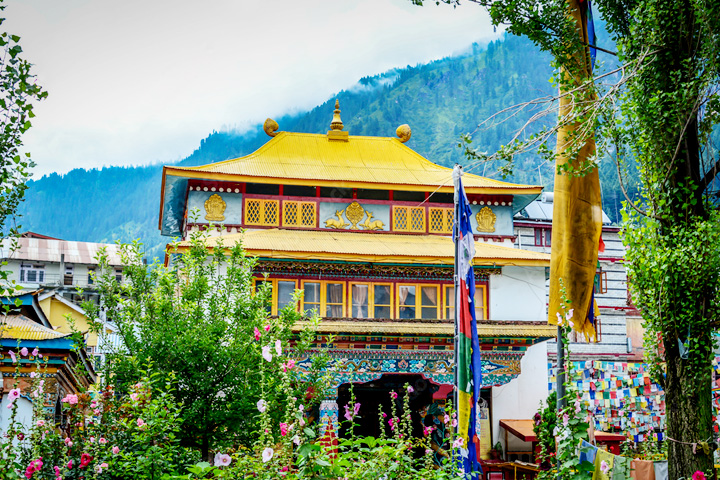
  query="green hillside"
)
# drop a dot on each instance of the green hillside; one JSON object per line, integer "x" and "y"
{"x": 440, "y": 101}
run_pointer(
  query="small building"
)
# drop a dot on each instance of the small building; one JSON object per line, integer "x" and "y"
{"x": 362, "y": 225}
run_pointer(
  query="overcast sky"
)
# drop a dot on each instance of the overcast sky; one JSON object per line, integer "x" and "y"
{"x": 139, "y": 81}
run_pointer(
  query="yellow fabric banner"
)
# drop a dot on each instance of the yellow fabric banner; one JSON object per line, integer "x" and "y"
{"x": 577, "y": 213}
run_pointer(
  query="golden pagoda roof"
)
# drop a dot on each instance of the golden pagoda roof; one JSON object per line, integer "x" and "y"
{"x": 368, "y": 247}
{"x": 22, "y": 328}
{"x": 495, "y": 329}
{"x": 361, "y": 162}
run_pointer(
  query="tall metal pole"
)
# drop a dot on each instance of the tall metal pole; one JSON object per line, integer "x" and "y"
{"x": 560, "y": 377}
{"x": 457, "y": 173}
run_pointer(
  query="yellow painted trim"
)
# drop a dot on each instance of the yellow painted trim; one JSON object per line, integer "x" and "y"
{"x": 446, "y": 296}
{"x": 299, "y": 206}
{"x": 448, "y": 261}
{"x": 262, "y": 220}
{"x": 408, "y": 218}
{"x": 420, "y": 327}
{"x": 418, "y": 299}
{"x": 233, "y": 177}
{"x": 446, "y": 220}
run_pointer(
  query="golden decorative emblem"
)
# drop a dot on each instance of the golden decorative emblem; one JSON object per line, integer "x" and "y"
{"x": 485, "y": 220}
{"x": 215, "y": 208}
{"x": 339, "y": 223}
{"x": 403, "y": 132}
{"x": 354, "y": 212}
{"x": 371, "y": 225}
{"x": 271, "y": 126}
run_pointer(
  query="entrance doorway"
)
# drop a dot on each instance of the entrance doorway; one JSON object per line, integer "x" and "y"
{"x": 375, "y": 394}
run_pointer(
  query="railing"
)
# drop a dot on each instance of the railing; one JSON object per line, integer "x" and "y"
{"x": 58, "y": 280}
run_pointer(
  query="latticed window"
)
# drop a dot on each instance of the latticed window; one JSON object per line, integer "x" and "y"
{"x": 441, "y": 220}
{"x": 261, "y": 212}
{"x": 409, "y": 219}
{"x": 299, "y": 214}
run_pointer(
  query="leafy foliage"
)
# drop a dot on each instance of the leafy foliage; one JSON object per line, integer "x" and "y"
{"x": 198, "y": 320}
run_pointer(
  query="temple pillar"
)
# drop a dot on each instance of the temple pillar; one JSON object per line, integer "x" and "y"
{"x": 329, "y": 414}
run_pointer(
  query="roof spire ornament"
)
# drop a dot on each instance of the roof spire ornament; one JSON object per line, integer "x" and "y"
{"x": 336, "y": 126}
{"x": 336, "y": 123}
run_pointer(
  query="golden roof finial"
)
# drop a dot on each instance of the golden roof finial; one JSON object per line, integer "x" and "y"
{"x": 336, "y": 123}
{"x": 403, "y": 132}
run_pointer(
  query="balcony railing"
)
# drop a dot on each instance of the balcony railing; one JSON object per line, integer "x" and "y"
{"x": 58, "y": 280}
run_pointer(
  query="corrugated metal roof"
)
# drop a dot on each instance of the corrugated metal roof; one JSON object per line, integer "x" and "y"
{"x": 21, "y": 327}
{"x": 376, "y": 160}
{"x": 47, "y": 250}
{"x": 370, "y": 247}
{"x": 542, "y": 209}
{"x": 499, "y": 329}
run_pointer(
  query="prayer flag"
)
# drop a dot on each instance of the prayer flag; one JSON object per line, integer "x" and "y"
{"x": 469, "y": 373}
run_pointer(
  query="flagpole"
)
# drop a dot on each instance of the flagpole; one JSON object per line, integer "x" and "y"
{"x": 457, "y": 173}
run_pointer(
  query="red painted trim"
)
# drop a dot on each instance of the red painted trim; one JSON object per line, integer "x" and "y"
{"x": 611, "y": 259}
{"x": 391, "y": 194}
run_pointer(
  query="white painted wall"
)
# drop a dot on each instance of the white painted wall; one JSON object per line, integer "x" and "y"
{"x": 518, "y": 294}
{"x": 24, "y": 412}
{"x": 520, "y": 398}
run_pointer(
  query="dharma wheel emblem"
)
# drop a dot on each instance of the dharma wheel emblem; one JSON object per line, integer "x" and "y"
{"x": 215, "y": 208}
{"x": 485, "y": 220}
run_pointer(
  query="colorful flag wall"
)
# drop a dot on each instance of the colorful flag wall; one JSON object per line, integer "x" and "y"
{"x": 621, "y": 397}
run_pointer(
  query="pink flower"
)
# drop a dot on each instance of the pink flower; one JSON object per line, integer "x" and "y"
{"x": 604, "y": 467}
{"x": 33, "y": 374}
{"x": 71, "y": 399}
{"x": 257, "y": 334}
{"x": 40, "y": 423}
{"x": 38, "y": 464}
{"x": 12, "y": 355}
{"x": 283, "y": 428}
{"x": 261, "y": 405}
{"x": 57, "y": 470}
{"x": 267, "y": 327}
{"x": 296, "y": 440}
{"x": 384, "y": 415}
{"x": 410, "y": 389}
{"x": 104, "y": 465}
{"x": 24, "y": 351}
{"x": 85, "y": 460}
{"x": 141, "y": 423}
{"x": 29, "y": 471}
{"x": 115, "y": 450}
{"x": 458, "y": 442}
{"x": 348, "y": 414}
{"x": 92, "y": 439}
{"x": 70, "y": 464}
{"x": 391, "y": 422}
{"x": 68, "y": 442}
{"x": 278, "y": 347}
{"x": 267, "y": 454}
{"x": 454, "y": 423}
{"x": 35, "y": 352}
{"x": 356, "y": 408}
{"x": 222, "y": 460}
{"x": 566, "y": 419}
{"x": 102, "y": 441}
{"x": 266, "y": 353}
{"x": 14, "y": 393}
{"x": 698, "y": 475}
{"x": 134, "y": 397}
{"x": 289, "y": 365}
{"x": 393, "y": 395}
{"x": 427, "y": 431}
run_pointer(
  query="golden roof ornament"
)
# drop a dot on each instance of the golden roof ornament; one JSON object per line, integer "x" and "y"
{"x": 486, "y": 220}
{"x": 215, "y": 208}
{"x": 403, "y": 132}
{"x": 270, "y": 126}
{"x": 336, "y": 126}
{"x": 336, "y": 123}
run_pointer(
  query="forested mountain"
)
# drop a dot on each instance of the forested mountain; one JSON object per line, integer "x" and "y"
{"x": 440, "y": 101}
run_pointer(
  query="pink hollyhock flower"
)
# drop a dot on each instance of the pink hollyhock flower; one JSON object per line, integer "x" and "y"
{"x": 92, "y": 439}
{"x": 410, "y": 390}
{"x": 40, "y": 423}
{"x": 458, "y": 442}
{"x": 283, "y": 428}
{"x": 566, "y": 419}
{"x": 115, "y": 450}
{"x": 261, "y": 405}
{"x": 102, "y": 441}
{"x": 569, "y": 314}
{"x": 24, "y": 351}
{"x": 68, "y": 442}
{"x": 698, "y": 475}
{"x": 393, "y": 395}
{"x": 391, "y": 422}
{"x": 384, "y": 415}
{"x": 71, "y": 399}
{"x": 12, "y": 355}
{"x": 257, "y": 334}
{"x": 57, "y": 470}
{"x": 278, "y": 347}
{"x": 38, "y": 464}
{"x": 33, "y": 374}
{"x": 70, "y": 465}
{"x": 134, "y": 397}
{"x": 14, "y": 393}
{"x": 267, "y": 327}
{"x": 296, "y": 440}
{"x": 356, "y": 408}
{"x": 141, "y": 423}
{"x": 267, "y": 454}
{"x": 604, "y": 467}
{"x": 222, "y": 460}
{"x": 104, "y": 465}
{"x": 266, "y": 353}
{"x": 348, "y": 414}
{"x": 35, "y": 352}
{"x": 427, "y": 431}
{"x": 85, "y": 460}
{"x": 454, "y": 423}
{"x": 289, "y": 365}
{"x": 29, "y": 471}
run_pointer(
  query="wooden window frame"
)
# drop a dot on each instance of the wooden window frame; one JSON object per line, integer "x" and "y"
{"x": 484, "y": 308}
{"x": 323, "y": 294}
{"x": 299, "y": 204}
{"x": 447, "y": 220}
{"x": 371, "y": 298}
{"x": 262, "y": 222}
{"x": 408, "y": 213}
{"x": 274, "y": 310}
{"x": 418, "y": 300}
{"x": 579, "y": 337}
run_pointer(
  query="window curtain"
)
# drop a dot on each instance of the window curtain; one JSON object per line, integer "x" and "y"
{"x": 335, "y": 295}
{"x": 359, "y": 296}
{"x": 431, "y": 294}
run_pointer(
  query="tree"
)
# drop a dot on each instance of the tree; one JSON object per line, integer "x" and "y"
{"x": 660, "y": 114}
{"x": 18, "y": 91}
{"x": 201, "y": 321}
